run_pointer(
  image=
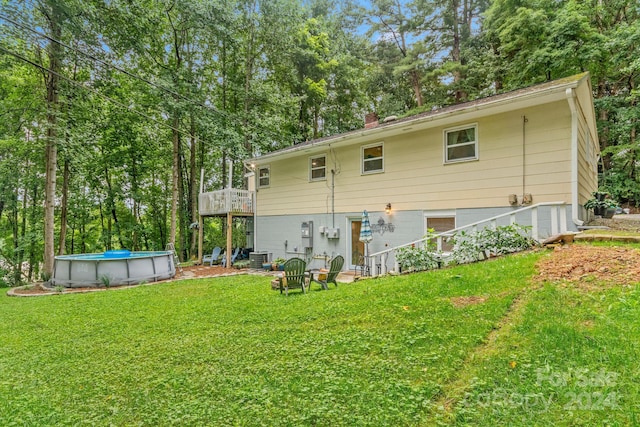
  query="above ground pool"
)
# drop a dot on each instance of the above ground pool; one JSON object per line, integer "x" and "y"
{"x": 112, "y": 268}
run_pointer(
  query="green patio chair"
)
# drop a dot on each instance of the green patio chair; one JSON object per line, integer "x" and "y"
{"x": 294, "y": 275}
{"x": 335, "y": 268}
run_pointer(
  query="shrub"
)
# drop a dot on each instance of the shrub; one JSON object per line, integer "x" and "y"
{"x": 412, "y": 258}
{"x": 467, "y": 247}
{"x": 477, "y": 245}
{"x": 4, "y": 278}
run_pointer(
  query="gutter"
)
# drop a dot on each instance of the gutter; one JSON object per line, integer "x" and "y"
{"x": 440, "y": 115}
{"x": 571, "y": 98}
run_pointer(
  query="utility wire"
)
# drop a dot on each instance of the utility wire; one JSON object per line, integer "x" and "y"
{"x": 100, "y": 61}
{"x": 118, "y": 103}
{"x": 158, "y": 86}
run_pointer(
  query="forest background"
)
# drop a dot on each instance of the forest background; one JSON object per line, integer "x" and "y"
{"x": 110, "y": 109}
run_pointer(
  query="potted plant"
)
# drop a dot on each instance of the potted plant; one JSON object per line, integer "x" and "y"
{"x": 278, "y": 264}
{"x": 601, "y": 204}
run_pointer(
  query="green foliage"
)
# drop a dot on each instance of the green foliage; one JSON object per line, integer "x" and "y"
{"x": 4, "y": 278}
{"x": 419, "y": 258}
{"x": 238, "y": 79}
{"x": 468, "y": 246}
{"x": 600, "y": 200}
{"x": 105, "y": 280}
{"x": 476, "y": 245}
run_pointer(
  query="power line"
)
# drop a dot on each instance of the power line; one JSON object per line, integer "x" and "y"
{"x": 248, "y": 125}
{"x": 100, "y": 61}
{"x": 118, "y": 103}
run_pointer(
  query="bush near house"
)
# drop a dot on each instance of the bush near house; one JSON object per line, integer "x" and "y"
{"x": 468, "y": 246}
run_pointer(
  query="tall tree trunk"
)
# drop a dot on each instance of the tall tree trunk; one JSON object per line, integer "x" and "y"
{"x": 51, "y": 153}
{"x": 604, "y": 131}
{"x": 193, "y": 184}
{"x": 33, "y": 218}
{"x": 175, "y": 176}
{"x": 64, "y": 208}
{"x": 456, "y": 50}
{"x": 182, "y": 203}
{"x": 417, "y": 88}
{"x": 23, "y": 231}
{"x": 16, "y": 239}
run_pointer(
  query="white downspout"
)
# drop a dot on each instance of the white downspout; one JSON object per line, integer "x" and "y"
{"x": 575, "y": 216}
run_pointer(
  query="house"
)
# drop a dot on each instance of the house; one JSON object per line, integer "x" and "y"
{"x": 442, "y": 169}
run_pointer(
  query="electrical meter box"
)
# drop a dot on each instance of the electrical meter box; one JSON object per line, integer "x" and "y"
{"x": 333, "y": 233}
{"x": 306, "y": 232}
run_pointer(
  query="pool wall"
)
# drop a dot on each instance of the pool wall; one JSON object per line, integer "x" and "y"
{"x": 111, "y": 269}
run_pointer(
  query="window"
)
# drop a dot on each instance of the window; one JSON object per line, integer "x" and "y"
{"x": 461, "y": 144}
{"x": 440, "y": 222}
{"x": 318, "y": 168}
{"x": 372, "y": 158}
{"x": 264, "y": 176}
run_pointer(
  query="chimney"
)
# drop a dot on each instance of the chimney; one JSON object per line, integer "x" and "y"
{"x": 370, "y": 121}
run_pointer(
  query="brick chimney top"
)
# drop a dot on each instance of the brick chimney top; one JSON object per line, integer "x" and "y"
{"x": 370, "y": 120}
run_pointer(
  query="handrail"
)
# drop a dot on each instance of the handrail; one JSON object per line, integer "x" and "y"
{"x": 229, "y": 200}
{"x": 494, "y": 219}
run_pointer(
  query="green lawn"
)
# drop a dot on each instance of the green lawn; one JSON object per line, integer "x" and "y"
{"x": 391, "y": 351}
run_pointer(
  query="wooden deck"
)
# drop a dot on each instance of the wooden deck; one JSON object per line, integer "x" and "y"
{"x": 223, "y": 202}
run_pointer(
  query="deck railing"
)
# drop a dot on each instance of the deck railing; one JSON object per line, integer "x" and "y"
{"x": 376, "y": 263}
{"x": 237, "y": 202}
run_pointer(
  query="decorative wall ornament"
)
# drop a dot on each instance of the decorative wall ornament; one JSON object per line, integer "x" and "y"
{"x": 382, "y": 227}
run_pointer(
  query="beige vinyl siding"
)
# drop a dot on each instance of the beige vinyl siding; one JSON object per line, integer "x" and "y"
{"x": 587, "y": 173}
{"x": 415, "y": 176}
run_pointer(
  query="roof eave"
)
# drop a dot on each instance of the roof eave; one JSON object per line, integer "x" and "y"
{"x": 444, "y": 117}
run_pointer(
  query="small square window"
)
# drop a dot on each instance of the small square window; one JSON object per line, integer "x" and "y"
{"x": 264, "y": 176}
{"x": 372, "y": 158}
{"x": 461, "y": 144}
{"x": 318, "y": 168}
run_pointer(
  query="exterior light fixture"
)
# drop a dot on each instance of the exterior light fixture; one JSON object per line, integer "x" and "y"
{"x": 387, "y": 208}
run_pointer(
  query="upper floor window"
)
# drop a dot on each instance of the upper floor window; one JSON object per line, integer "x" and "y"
{"x": 318, "y": 168}
{"x": 373, "y": 158}
{"x": 264, "y": 176}
{"x": 461, "y": 143}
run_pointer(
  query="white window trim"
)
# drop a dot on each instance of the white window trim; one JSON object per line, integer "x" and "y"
{"x": 364, "y": 147}
{"x": 445, "y": 157}
{"x": 258, "y": 176}
{"x": 446, "y": 213}
{"x": 311, "y": 168}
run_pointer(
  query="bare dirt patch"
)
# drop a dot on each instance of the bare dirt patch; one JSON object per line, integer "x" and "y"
{"x": 591, "y": 266}
{"x": 459, "y": 302}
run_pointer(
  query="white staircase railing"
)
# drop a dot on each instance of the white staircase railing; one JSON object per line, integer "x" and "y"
{"x": 557, "y": 224}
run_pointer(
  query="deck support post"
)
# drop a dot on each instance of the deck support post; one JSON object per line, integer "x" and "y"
{"x": 200, "y": 238}
{"x": 229, "y": 239}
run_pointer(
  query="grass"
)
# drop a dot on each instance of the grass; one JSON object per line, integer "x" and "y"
{"x": 389, "y": 351}
{"x": 610, "y": 232}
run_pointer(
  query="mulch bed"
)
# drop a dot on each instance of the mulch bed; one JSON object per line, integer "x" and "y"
{"x": 191, "y": 272}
